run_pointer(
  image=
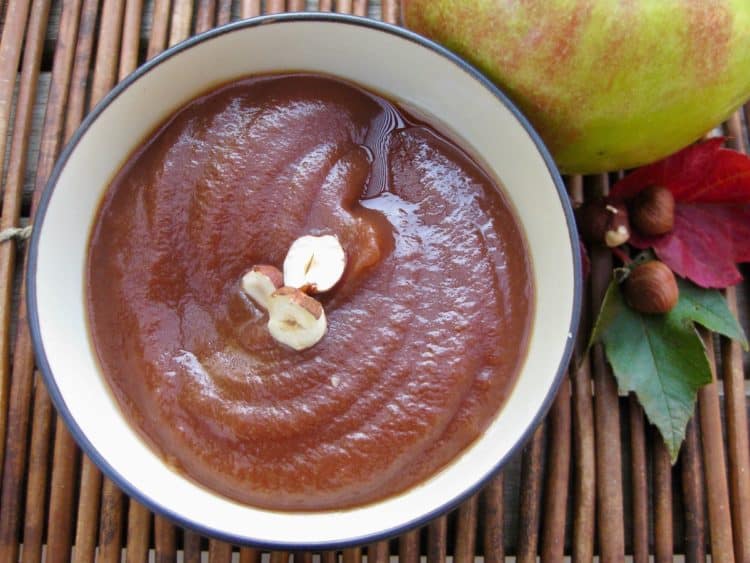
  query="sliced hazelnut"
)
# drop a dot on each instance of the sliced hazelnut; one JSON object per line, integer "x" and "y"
{"x": 260, "y": 282}
{"x": 618, "y": 228}
{"x": 314, "y": 263}
{"x": 603, "y": 223}
{"x": 652, "y": 211}
{"x": 651, "y": 288}
{"x": 295, "y": 318}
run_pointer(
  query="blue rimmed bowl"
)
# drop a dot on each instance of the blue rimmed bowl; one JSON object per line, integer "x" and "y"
{"x": 400, "y": 65}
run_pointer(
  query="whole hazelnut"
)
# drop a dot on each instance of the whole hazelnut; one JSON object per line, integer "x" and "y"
{"x": 603, "y": 223}
{"x": 652, "y": 211}
{"x": 651, "y": 288}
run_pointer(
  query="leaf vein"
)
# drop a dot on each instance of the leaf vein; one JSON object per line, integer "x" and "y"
{"x": 664, "y": 392}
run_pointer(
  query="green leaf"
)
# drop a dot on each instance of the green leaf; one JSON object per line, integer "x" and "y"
{"x": 608, "y": 312}
{"x": 660, "y": 358}
{"x": 708, "y": 308}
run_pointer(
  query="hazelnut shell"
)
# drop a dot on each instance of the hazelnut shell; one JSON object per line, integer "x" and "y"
{"x": 652, "y": 211}
{"x": 603, "y": 223}
{"x": 651, "y": 288}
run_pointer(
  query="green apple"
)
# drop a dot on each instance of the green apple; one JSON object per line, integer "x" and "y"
{"x": 608, "y": 84}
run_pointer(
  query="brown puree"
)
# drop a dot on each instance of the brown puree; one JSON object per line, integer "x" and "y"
{"x": 426, "y": 331}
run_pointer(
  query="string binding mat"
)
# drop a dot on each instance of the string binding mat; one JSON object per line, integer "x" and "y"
{"x": 15, "y": 233}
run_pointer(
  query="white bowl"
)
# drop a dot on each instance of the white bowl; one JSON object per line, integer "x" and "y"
{"x": 394, "y": 62}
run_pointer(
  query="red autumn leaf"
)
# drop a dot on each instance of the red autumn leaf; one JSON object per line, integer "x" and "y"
{"x": 711, "y": 234}
{"x": 694, "y": 252}
{"x": 705, "y": 172}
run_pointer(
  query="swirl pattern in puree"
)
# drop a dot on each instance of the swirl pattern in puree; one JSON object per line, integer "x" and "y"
{"x": 426, "y": 331}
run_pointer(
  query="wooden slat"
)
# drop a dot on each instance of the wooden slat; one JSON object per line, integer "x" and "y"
{"x": 65, "y": 462}
{"x": 466, "y": 528}
{"x": 738, "y": 445}
{"x": 350, "y": 555}
{"x": 663, "y": 528}
{"x": 275, "y": 6}
{"x": 610, "y": 521}
{"x": 139, "y": 529}
{"x": 2, "y": 12}
{"x": 493, "y": 516}
{"x": 639, "y": 479}
{"x": 389, "y": 11}
{"x": 36, "y": 487}
{"x": 19, "y": 396}
{"x": 693, "y": 496}
{"x": 192, "y": 548}
{"x": 736, "y": 405}
{"x": 359, "y": 8}
{"x": 110, "y": 523}
{"x": 81, "y": 66}
{"x": 437, "y": 531}
{"x": 182, "y": 17}
{"x": 250, "y": 8}
{"x": 107, "y": 49}
{"x": 204, "y": 18}
{"x": 378, "y": 552}
{"x": 252, "y": 555}
{"x": 157, "y": 40}
{"x": 62, "y": 73}
{"x": 408, "y": 547}
{"x": 11, "y": 44}
{"x": 165, "y": 540}
{"x": 558, "y": 475}
{"x": 224, "y": 14}
{"x": 532, "y": 464}
{"x": 10, "y": 54}
{"x": 609, "y": 500}
{"x": 584, "y": 466}
{"x": 221, "y": 552}
{"x": 87, "y": 524}
{"x": 717, "y": 492}
{"x": 131, "y": 37}
{"x": 344, "y": 6}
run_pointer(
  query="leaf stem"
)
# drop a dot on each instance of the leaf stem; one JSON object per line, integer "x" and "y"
{"x": 622, "y": 255}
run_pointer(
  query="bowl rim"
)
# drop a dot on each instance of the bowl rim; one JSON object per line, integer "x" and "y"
{"x": 38, "y": 221}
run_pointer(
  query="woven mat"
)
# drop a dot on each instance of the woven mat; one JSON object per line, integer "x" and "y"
{"x": 593, "y": 480}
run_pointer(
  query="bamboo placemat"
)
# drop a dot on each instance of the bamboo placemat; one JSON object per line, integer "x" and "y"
{"x": 593, "y": 480}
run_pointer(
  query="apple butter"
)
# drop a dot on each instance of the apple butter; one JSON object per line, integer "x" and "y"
{"x": 427, "y": 329}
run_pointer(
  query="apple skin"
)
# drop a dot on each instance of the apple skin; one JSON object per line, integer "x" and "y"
{"x": 608, "y": 84}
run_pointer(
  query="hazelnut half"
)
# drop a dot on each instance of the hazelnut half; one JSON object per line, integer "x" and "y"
{"x": 652, "y": 211}
{"x": 314, "y": 263}
{"x": 260, "y": 282}
{"x": 651, "y": 288}
{"x": 295, "y": 318}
